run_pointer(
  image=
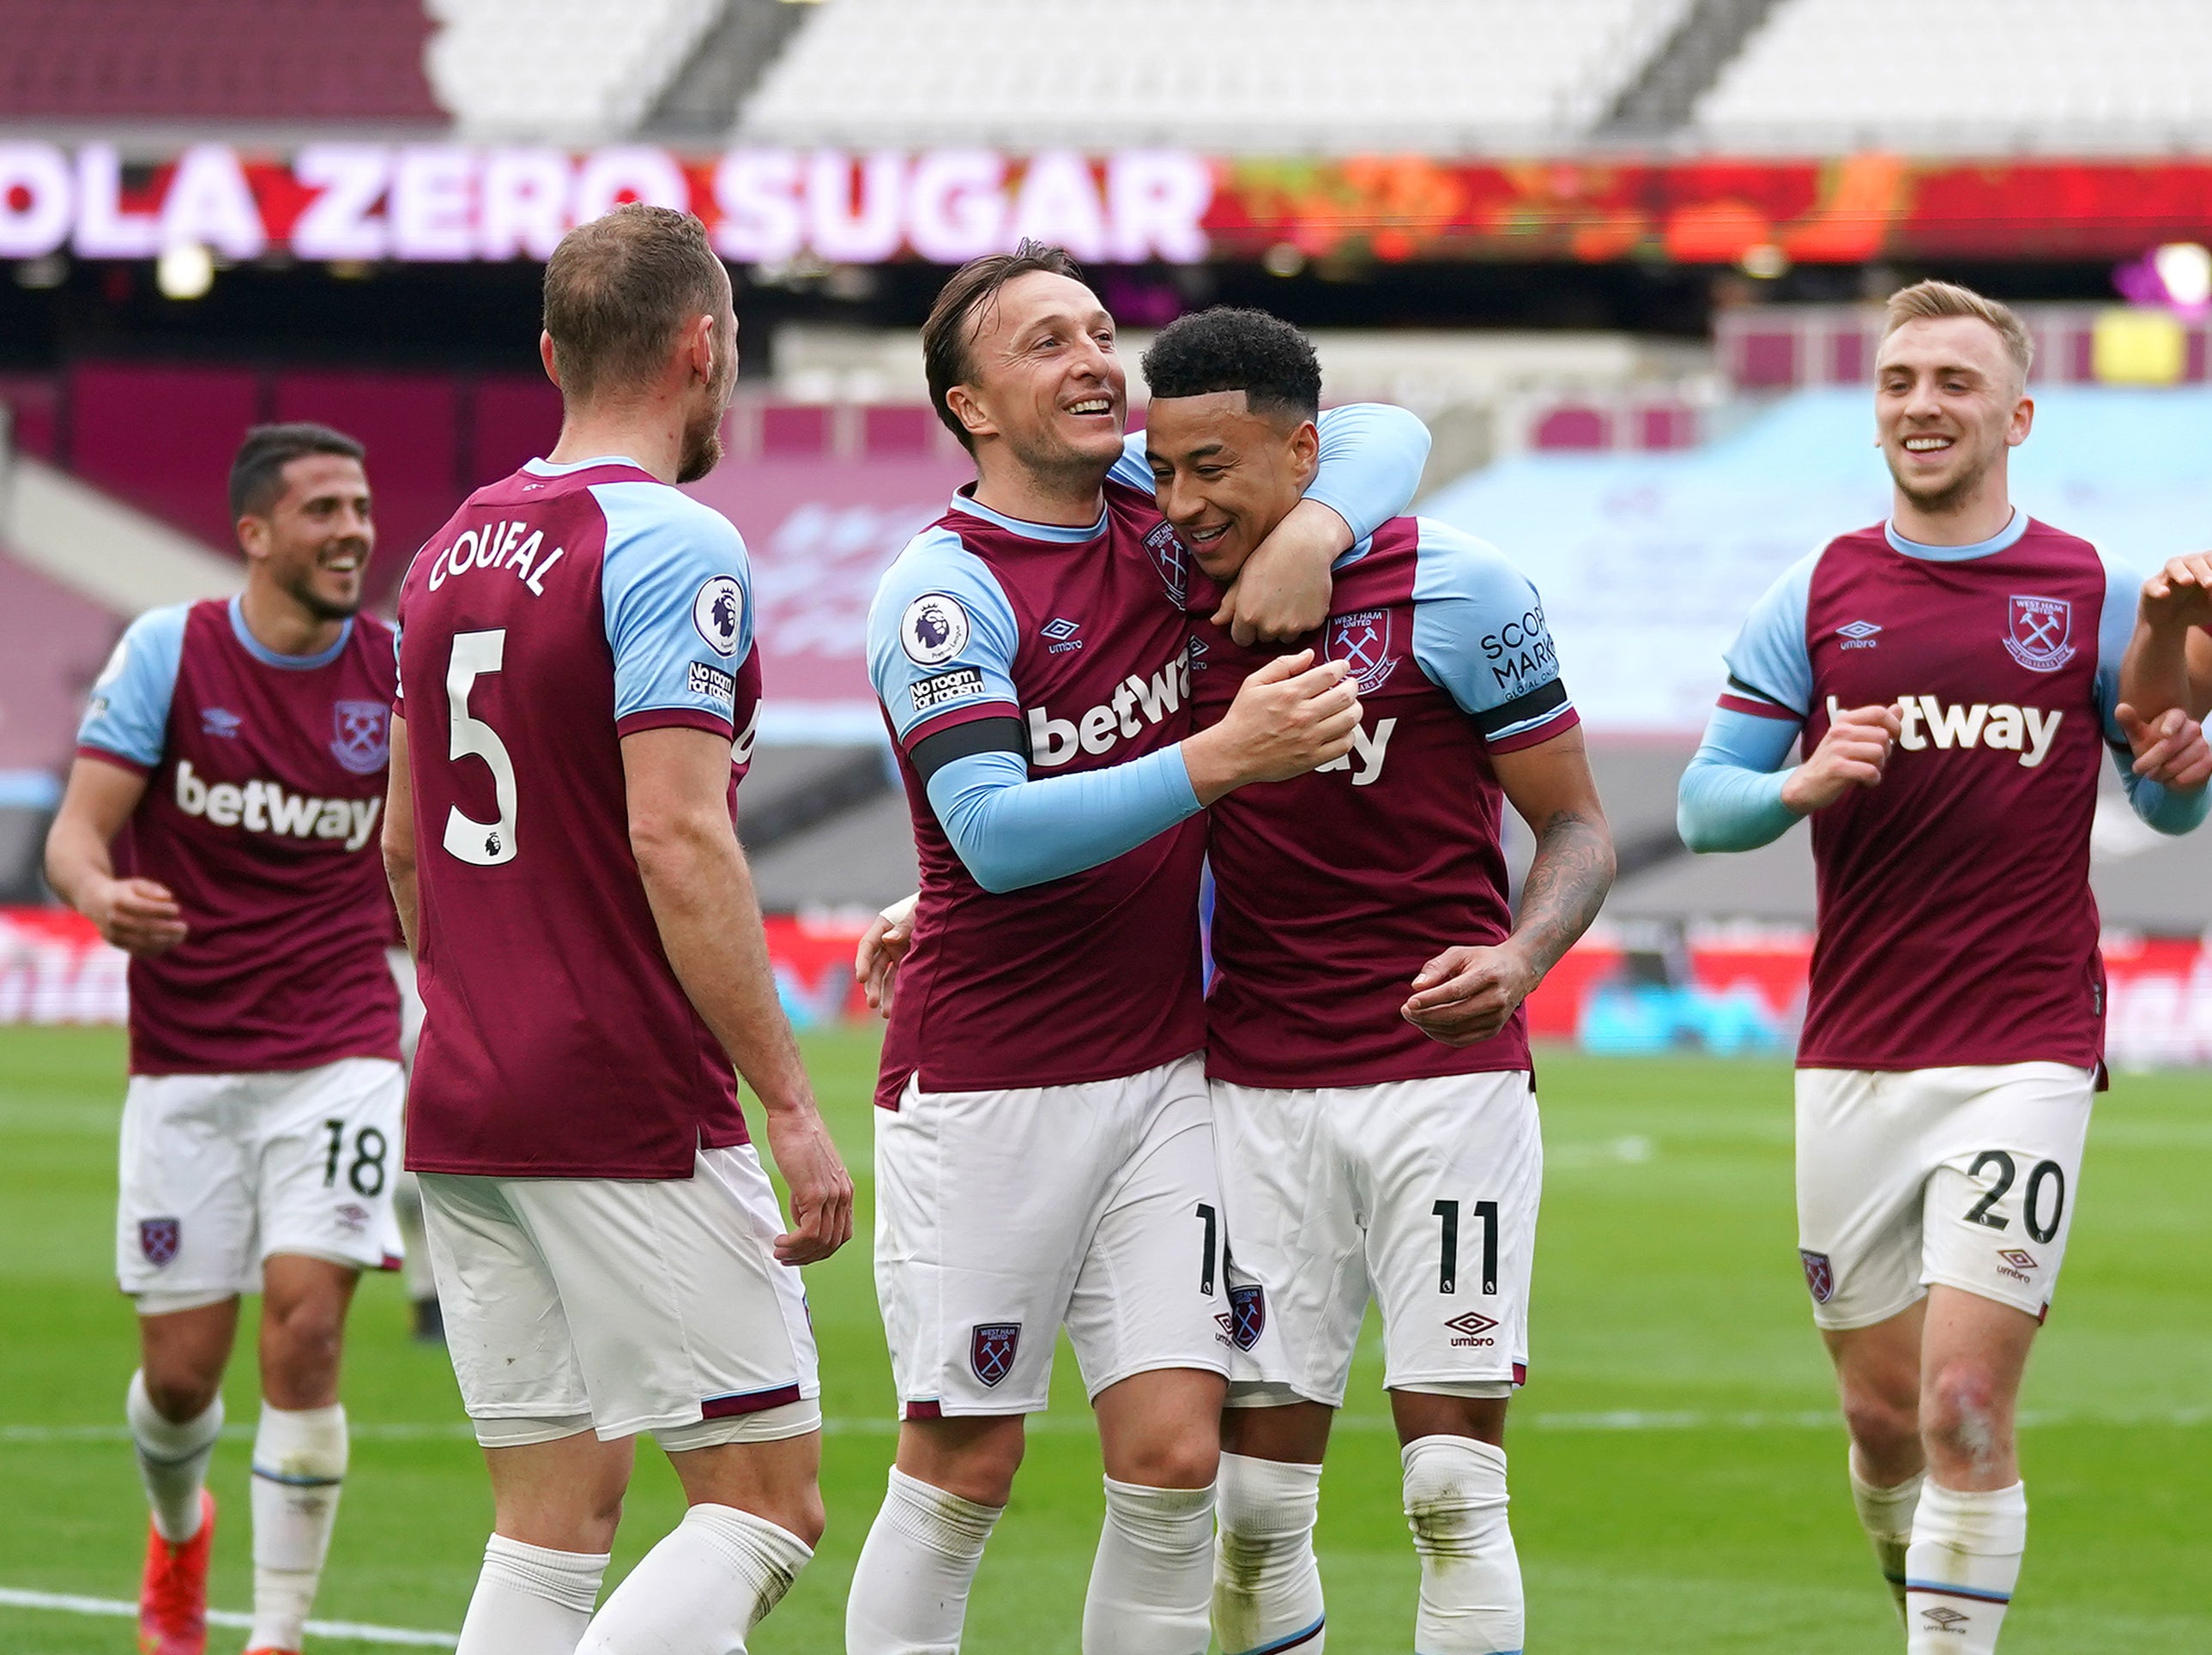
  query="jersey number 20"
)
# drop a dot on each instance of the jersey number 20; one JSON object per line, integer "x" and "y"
{"x": 484, "y": 844}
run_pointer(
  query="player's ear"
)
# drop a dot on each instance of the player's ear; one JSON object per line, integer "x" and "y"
{"x": 1305, "y": 451}
{"x": 2022, "y": 421}
{"x": 968, "y": 407}
{"x": 253, "y": 535}
{"x": 545, "y": 356}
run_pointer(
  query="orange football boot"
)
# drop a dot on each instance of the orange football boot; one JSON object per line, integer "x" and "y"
{"x": 172, "y": 1596}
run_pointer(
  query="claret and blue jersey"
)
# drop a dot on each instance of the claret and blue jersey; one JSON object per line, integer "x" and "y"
{"x": 1333, "y": 889}
{"x": 1036, "y": 680}
{"x": 1956, "y": 923}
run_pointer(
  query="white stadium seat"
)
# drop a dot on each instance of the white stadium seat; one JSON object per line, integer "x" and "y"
{"x": 573, "y": 71}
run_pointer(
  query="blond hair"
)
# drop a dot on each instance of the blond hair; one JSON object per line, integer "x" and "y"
{"x": 1929, "y": 300}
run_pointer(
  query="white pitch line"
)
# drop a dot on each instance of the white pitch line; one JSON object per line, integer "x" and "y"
{"x": 68, "y": 1604}
{"x": 1073, "y": 1424}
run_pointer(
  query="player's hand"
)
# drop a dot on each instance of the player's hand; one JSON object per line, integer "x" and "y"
{"x": 1290, "y": 717}
{"x": 139, "y": 916}
{"x": 1853, "y": 754}
{"x": 821, "y": 1189}
{"x": 2179, "y": 595}
{"x": 1466, "y": 994}
{"x": 883, "y": 946}
{"x": 1282, "y": 592}
{"x": 2170, "y": 749}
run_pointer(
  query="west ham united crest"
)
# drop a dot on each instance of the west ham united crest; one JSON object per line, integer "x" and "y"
{"x": 360, "y": 736}
{"x": 159, "y": 1238}
{"x": 1819, "y": 1275}
{"x": 1247, "y": 1315}
{"x": 1362, "y": 642}
{"x": 2039, "y": 632}
{"x": 1171, "y": 558}
{"x": 991, "y": 1350}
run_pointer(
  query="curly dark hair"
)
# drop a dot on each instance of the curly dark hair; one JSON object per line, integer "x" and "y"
{"x": 1229, "y": 349}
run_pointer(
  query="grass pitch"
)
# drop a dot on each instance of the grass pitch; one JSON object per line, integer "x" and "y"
{"x": 1678, "y": 1474}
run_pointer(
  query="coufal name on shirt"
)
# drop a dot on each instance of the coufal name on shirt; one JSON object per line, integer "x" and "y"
{"x": 1137, "y": 702}
{"x": 263, "y": 807}
{"x": 1925, "y": 722}
{"x": 499, "y": 546}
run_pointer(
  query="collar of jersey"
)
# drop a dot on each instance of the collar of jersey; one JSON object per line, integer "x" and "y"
{"x": 270, "y": 657}
{"x": 2007, "y": 536}
{"x": 550, "y": 469}
{"x": 1060, "y": 533}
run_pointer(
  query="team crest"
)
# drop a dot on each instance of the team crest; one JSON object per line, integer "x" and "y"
{"x": 1819, "y": 1275}
{"x": 1247, "y": 1315}
{"x": 933, "y": 629}
{"x": 2037, "y": 632}
{"x": 360, "y": 736}
{"x": 991, "y": 1350}
{"x": 1362, "y": 642}
{"x": 159, "y": 1238}
{"x": 1171, "y": 560}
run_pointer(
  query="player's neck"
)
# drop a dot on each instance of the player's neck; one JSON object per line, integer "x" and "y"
{"x": 1979, "y": 516}
{"x": 1068, "y": 498}
{"x": 651, "y": 439}
{"x": 282, "y": 624}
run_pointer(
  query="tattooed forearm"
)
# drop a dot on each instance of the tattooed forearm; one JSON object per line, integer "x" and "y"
{"x": 1565, "y": 887}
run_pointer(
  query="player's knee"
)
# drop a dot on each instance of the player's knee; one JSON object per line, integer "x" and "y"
{"x": 973, "y": 1459}
{"x": 301, "y": 1341}
{"x": 1187, "y": 1458}
{"x": 180, "y": 1392}
{"x": 1884, "y": 1428}
{"x": 1965, "y": 1415}
{"x": 803, "y": 1515}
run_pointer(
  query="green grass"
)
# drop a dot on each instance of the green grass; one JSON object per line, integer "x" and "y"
{"x": 1666, "y": 1285}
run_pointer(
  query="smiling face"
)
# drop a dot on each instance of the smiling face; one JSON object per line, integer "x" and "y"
{"x": 1226, "y": 476}
{"x": 1949, "y": 401}
{"x": 1043, "y": 377}
{"x": 314, "y": 542}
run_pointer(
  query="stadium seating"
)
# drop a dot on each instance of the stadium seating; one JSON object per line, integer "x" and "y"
{"x": 237, "y": 60}
{"x": 1234, "y": 76}
{"x": 571, "y": 69}
{"x": 1972, "y": 74}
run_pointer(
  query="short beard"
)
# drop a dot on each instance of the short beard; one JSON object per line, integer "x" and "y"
{"x": 302, "y": 592}
{"x": 702, "y": 452}
{"x": 1937, "y": 501}
{"x": 1058, "y": 468}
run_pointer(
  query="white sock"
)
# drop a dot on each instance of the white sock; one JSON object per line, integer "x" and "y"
{"x": 701, "y": 1590}
{"x": 1886, "y": 1515}
{"x": 299, "y": 1467}
{"x": 1963, "y": 1564}
{"x": 1154, "y": 1575}
{"x": 530, "y": 1600}
{"x": 909, "y": 1592}
{"x": 173, "y": 1459}
{"x": 1455, "y": 1498}
{"x": 1267, "y": 1581}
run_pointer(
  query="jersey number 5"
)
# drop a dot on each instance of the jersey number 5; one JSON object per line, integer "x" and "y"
{"x": 484, "y": 844}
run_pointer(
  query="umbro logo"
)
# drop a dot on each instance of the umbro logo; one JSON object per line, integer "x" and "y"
{"x": 1472, "y": 1330}
{"x": 219, "y": 721}
{"x": 1857, "y": 634}
{"x": 1058, "y": 634}
{"x": 1944, "y": 1618}
{"x": 2018, "y": 1258}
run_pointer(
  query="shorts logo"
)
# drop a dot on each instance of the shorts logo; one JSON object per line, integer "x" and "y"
{"x": 2037, "y": 630}
{"x": 991, "y": 1349}
{"x": 933, "y": 629}
{"x": 1362, "y": 642}
{"x": 1171, "y": 560}
{"x": 1944, "y": 1618}
{"x": 360, "y": 737}
{"x": 716, "y": 612}
{"x": 352, "y": 1216}
{"x": 1819, "y": 1275}
{"x": 1246, "y": 1318}
{"x": 2018, "y": 1258}
{"x": 1473, "y": 1330}
{"x": 159, "y": 1238}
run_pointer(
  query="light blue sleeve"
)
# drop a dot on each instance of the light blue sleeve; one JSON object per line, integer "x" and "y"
{"x": 1012, "y": 832}
{"x": 942, "y": 635}
{"x": 1370, "y": 464}
{"x": 676, "y": 590}
{"x": 1479, "y": 631}
{"x": 2170, "y": 810}
{"x": 1770, "y": 658}
{"x": 129, "y": 713}
{"x": 1730, "y": 797}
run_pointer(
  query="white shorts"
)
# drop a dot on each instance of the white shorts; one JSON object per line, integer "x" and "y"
{"x": 620, "y": 1305}
{"x": 220, "y": 1171}
{"x": 1963, "y": 1176}
{"x": 1421, "y": 1194}
{"x": 1003, "y": 1216}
